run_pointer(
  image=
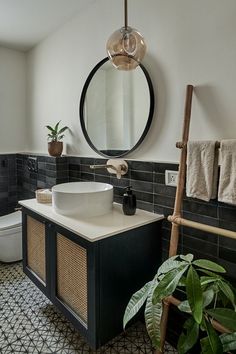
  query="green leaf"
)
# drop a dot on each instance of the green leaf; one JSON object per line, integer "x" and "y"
{"x": 209, "y": 265}
{"x": 226, "y": 317}
{"x": 188, "y": 257}
{"x": 208, "y": 297}
{"x": 50, "y": 128}
{"x": 208, "y": 280}
{"x": 153, "y": 318}
{"x": 168, "y": 265}
{"x": 187, "y": 341}
{"x": 169, "y": 283}
{"x": 184, "y": 306}
{"x": 194, "y": 294}
{"x": 136, "y": 302}
{"x": 228, "y": 341}
{"x": 62, "y": 130}
{"x": 209, "y": 273}
{"x": 226, "y": 289}
{"x": 182, "y": 281}
{"x": 212, "y": 343}
{"x": 56, "y": 127}
{"x": 224, "y": 300}
{"x": 206, "y": 347}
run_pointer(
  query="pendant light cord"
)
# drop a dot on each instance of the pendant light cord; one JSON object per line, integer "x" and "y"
{"x": 126, "y": 13}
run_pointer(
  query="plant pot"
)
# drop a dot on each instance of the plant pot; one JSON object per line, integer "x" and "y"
{"x": 55, "y": 148}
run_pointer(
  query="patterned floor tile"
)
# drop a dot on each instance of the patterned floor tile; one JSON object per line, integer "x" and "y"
{"x": 29, "y": 323}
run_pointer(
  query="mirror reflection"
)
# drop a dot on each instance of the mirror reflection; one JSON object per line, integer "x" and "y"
{"x": 116, "y": 108}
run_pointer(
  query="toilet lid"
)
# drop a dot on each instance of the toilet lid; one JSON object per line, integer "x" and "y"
{"x": 11, "y": 220}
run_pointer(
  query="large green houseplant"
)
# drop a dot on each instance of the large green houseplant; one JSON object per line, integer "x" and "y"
{"x": 55, "y": 136}
{"x": 207, "y": 295}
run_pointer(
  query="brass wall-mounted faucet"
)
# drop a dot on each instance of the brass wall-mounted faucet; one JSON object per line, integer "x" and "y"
{"x": 114, "y": 166}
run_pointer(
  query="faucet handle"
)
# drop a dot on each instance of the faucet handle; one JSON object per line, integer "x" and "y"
{"x": 120, "y": 167}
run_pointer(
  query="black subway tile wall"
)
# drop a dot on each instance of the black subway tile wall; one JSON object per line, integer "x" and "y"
{"x": 18, "y": 181}
{"x": 49, "y": 171}
{"x": 8, "y": 183}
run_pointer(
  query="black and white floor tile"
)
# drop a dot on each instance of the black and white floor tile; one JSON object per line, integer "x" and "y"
{"x": 29, "y": 323}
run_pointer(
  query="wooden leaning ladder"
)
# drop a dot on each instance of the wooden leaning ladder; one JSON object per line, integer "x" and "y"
{"x": 177, "y": 220}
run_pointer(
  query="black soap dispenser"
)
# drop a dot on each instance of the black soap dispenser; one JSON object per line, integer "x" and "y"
{"x": 129, "y": 202}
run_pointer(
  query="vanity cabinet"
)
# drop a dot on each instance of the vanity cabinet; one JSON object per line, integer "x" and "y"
{"x": 90, "y": 282}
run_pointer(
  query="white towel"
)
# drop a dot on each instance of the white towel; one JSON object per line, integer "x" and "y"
{"x": 227, "y": 182}
{"x": 202, "y": 170}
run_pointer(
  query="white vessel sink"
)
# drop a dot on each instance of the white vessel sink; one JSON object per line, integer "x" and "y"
{"x": 82, "y": 199}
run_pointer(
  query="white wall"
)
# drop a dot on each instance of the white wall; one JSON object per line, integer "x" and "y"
{"x": 189, "y": 42}
{"x": 12, "y": 101}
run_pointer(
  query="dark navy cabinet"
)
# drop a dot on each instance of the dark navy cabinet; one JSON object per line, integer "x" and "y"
{"x": 90, "y": 282}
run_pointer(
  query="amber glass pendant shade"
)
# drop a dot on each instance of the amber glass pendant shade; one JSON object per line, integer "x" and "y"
{"x": 126, "y": 47}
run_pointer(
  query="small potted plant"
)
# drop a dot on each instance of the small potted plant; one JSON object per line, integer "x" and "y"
{"x": 55, "y": 135}
{"x": 207, "y": 296}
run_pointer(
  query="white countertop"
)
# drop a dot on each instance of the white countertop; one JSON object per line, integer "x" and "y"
{"x": 94, "y": 228}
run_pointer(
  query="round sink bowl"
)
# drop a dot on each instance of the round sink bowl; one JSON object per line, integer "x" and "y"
{"x": 82, "y": 199}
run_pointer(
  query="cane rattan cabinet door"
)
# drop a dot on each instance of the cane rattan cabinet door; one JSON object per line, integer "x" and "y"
{"x": 36, "y": 259}
{"x": 71, "y": 276}
{"x": 35, "y": 248}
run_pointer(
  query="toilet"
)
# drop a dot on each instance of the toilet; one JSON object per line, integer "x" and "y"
{"x": 11, "y": 237}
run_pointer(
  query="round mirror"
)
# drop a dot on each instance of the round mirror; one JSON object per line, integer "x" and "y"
{"x": 116, "y": 108}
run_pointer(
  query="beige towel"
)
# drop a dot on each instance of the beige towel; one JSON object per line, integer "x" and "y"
{"x": 202, "y": 170}
{"x": 227, "y": 183}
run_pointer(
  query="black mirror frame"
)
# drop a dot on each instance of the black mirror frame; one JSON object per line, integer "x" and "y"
{"x": 81, "y": 110}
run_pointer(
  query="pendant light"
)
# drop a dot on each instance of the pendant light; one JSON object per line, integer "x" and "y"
{"x": 126, "y": 47}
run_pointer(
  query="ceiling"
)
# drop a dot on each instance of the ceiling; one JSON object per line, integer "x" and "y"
{"x": 24, "y": 23}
